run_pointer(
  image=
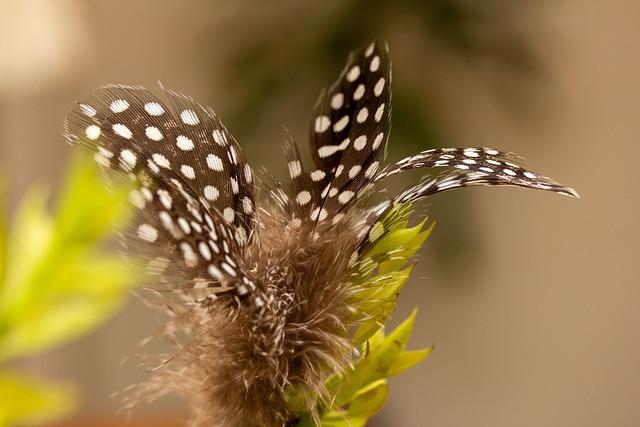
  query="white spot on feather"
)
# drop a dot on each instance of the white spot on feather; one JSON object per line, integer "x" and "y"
{"x": 184, "y": 143}
{"x": 319, "y": 214}
{"x": 378, "y": 140}
{"x": 328, "y": 150}
{"x": 337, "y": 101}
{"x": 322, "y": 123}
{"x": 295, "y": 169}
{"x": 379, "y": 112}
{"x": 211, "y": 192}
{"x": 188, "y": 171}
{"x": 153, "y": 133}
{"x": 359, "y": 92}
{"x": 93, "y": 132}
{"x": 341, "y": 124}
{"x": 353, "y": 73}
{"x": 379, "y": 87}
{"x": 303, "y": 197}
{"x": 189, "y": 117}
{"x": 228, "y": 214}
{"x": 154, "y": 109}
{"x": 362, "y": 115}
{"x": 215, "y": 163}
{"x": 122, "y": 130}
{"x": 345, "y": 196}
{"x": 147, "y": 232}
{"x": 161, "y": 160}
{"x": 360, "y": 142}
{"x": 317, "y": 175}
{"x": 88, "y": 110}
{"x": 375, "y": 64}
{"x": 128, "y": 159}
{"x": 119, "y": 105}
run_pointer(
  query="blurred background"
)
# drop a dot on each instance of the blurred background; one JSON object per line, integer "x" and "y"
{"x": 530, "y": 299}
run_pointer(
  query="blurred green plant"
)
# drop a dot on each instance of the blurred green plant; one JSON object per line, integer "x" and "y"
{"x": 57, "y": 281}
{"x": 361, "y": 391}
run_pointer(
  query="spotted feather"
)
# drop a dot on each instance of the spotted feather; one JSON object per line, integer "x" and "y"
{"x": 475, "y": 166}
{"x": 348, "y": 135}
{"x": 194, "y": 190}
{"x": 194, "y": 182}
{"x": 270, "y": 284}
{"x": 134, "y": 129}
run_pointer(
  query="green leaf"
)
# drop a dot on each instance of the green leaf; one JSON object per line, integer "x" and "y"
{"x": 399, "y": 258}
{"x": 374, "y": 365}
{"x": 65, "y": 314}
{"x": 378, "y": 302}
{"x": 362, "y": 391}
{"x": 381, "y": 291}
{"x": 407, "y": 360}
{"x": 369, "y": 400}
{"x": 332, "y": 419}
{"x": 365, "y": 331}
{"x": 59, "y": 283}
{"x": 397, "y": 217}
{"x": 28, "y": 245}
{"x": 395, "y": 239}
{"x": 376, "y": 340}
{"x": 3, "y": 237}
{"x": 27, "y": 401}
{"x": 86, "y": 197}
{"x": 339, "y": 419}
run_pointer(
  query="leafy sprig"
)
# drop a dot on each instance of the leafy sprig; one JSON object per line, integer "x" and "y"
{"x": 362, "y": 391}
{"x": 57, "y": 282}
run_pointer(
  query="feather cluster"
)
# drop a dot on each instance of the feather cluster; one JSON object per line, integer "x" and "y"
{"x": 237, "y": 362}
{"x": 269, "y": 301}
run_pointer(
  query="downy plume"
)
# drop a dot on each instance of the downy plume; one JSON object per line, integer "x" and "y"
{"x": 266, "y": 299}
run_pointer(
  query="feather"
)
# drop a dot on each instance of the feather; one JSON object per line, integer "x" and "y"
{"x": 259, "y": 295}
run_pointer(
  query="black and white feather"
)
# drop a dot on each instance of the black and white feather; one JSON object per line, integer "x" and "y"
{"x": 195, "y": 192}
{"x": 284, "y": 260}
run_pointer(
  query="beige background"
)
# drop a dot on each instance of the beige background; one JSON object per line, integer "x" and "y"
{"x": 539, "y": 330}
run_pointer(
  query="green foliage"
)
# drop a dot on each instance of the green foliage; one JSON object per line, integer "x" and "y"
{"x": 57, "y": 282}
{"x": 362, "y": 391}
{"x": 30, "y": 401}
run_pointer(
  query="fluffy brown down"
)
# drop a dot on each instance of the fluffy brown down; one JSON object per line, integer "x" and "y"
{"x": 239, "y": 360}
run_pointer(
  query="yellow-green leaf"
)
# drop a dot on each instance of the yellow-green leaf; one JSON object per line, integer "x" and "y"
{"x": 58, "y": 283}
{"x": 374, "y": 365}
{"x": 395, "y": 240}
{"x": 3, "y": 236}
{"x": 378, "y": 302}
{"x": 380, "y": 291}
{"x": 376, "y": 340}
{"x": 366, "y": 330}
{"x": 28, "y": 246}
{"x": 26, "y": 401}
{"x": 399, "y": 258}
{"x": 407, "y": 360}
{"x": 85, "y": 196}
{"x": 397, "y": 217}
{"x": 369, "y": 400}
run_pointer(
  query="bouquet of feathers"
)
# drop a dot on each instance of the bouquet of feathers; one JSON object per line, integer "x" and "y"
{"x": 276, "y": 306}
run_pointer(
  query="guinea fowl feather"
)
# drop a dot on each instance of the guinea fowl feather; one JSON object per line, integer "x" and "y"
{"x": 259, "y": 294}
